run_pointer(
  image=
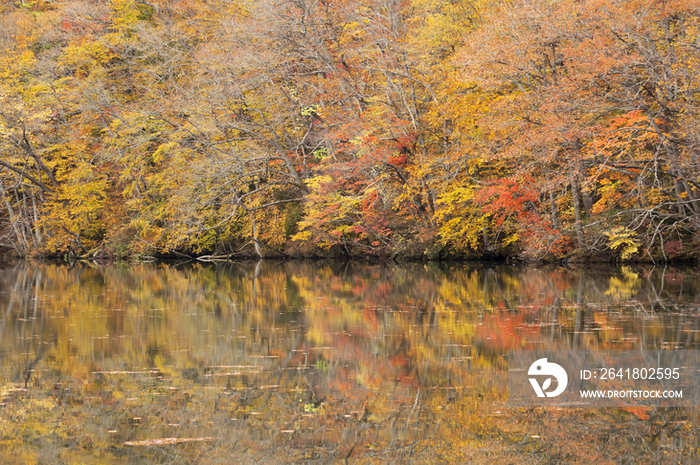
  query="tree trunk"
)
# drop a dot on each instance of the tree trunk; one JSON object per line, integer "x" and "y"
{"x": 19, "y": 243}
{"x": 487, "y": 243}
{"x": 587, "y": 202}
{"x": 552, "y": 203}
{"x": 680, "y": 185}
{"x": 577, "y": 213}
{"x": 256, "y": 242}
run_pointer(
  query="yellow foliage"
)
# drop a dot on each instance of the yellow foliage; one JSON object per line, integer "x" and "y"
{"x": 622, "y": 236}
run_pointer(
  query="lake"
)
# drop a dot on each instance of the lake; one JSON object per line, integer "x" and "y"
{"x": 326, "y": 362}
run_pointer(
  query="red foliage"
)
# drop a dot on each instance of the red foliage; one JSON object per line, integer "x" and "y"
{"x": 506, "y": 198}
{"x": 515, "y": 203}
{"x": 398, "y": 160}
{"x": 673, "y": 247}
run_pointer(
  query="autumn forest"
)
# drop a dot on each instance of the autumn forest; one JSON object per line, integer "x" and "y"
{"x": 433, "y": 129}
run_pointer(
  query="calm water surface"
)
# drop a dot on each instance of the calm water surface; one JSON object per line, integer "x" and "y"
{"x": 325, "y": 362}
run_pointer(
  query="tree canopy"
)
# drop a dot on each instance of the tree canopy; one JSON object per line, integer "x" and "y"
{"x": 394, "y": 128}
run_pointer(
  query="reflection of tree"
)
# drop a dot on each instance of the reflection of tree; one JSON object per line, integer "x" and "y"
{"x": 337, "y": 360}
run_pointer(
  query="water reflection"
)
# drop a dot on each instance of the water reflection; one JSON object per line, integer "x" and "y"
{"x": 286, "y": 362}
